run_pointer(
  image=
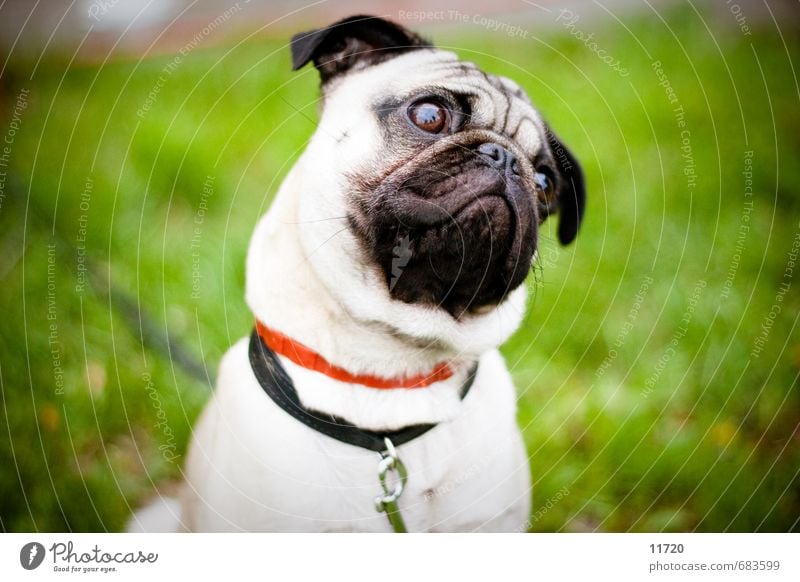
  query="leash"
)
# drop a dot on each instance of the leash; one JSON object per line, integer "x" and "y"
{"x": 275, "y": 381}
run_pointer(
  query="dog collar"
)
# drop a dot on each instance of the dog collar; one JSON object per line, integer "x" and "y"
{"x": 307, "y": 358}
{"x": 275, "y": 381}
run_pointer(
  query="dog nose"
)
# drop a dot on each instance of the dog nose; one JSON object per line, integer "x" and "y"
{"x": 500, "y": 157}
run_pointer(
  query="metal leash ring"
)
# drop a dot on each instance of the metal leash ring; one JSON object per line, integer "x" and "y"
{"x": 386, "y": 466}
{"x": 391, "y": 465}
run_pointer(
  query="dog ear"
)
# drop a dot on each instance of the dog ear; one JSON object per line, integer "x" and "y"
{"x": 355, "y": 41}
{"x": 570, "y": 190}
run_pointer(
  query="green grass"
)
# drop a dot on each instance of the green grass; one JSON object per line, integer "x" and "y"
{"x": 711, "y": 446}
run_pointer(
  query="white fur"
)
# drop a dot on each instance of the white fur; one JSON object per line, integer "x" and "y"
{"x": 161, "y": 514}
{"x": 251, "y": 466}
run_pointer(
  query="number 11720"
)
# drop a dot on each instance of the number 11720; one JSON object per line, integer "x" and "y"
{"x": 666, "y": 548}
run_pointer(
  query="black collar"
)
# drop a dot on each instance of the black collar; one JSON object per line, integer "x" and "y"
{"x": 279, "y": 386}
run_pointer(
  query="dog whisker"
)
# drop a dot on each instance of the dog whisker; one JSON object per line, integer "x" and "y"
{"x": 313, "y": 221}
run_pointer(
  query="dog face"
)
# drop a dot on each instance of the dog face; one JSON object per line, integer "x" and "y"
{"x": 443, "y": 173}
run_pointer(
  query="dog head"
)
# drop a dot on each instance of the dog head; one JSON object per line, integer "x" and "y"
{"x": 440, "y": 173}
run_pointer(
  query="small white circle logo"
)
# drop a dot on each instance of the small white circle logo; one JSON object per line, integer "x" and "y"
{"x": 31, "y": 555}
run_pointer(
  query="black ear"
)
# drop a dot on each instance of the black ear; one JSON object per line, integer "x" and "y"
{"x": 358, "y": 40}
{"x": 570, "y": 189}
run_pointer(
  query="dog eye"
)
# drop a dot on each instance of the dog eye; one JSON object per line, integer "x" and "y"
{"x": 544, "y": 183}
{"x": 429, "y": 116}
{"x": 546, "y": 192}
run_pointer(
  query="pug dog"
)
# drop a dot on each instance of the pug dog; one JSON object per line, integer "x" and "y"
{"x": 385, "y": 275}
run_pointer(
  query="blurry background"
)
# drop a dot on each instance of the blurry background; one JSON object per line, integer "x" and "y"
{"x": 658, "y": 365}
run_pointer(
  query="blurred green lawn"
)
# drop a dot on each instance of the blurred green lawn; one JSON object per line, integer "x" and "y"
{"x": 705, "y": 440}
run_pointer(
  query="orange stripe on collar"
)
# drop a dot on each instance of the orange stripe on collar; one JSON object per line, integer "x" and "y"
{"x": 307, "y": 358}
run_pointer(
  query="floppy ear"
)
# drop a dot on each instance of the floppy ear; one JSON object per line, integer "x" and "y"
{"x": 570, "y": 189}
{"x": 355, "y": 41}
